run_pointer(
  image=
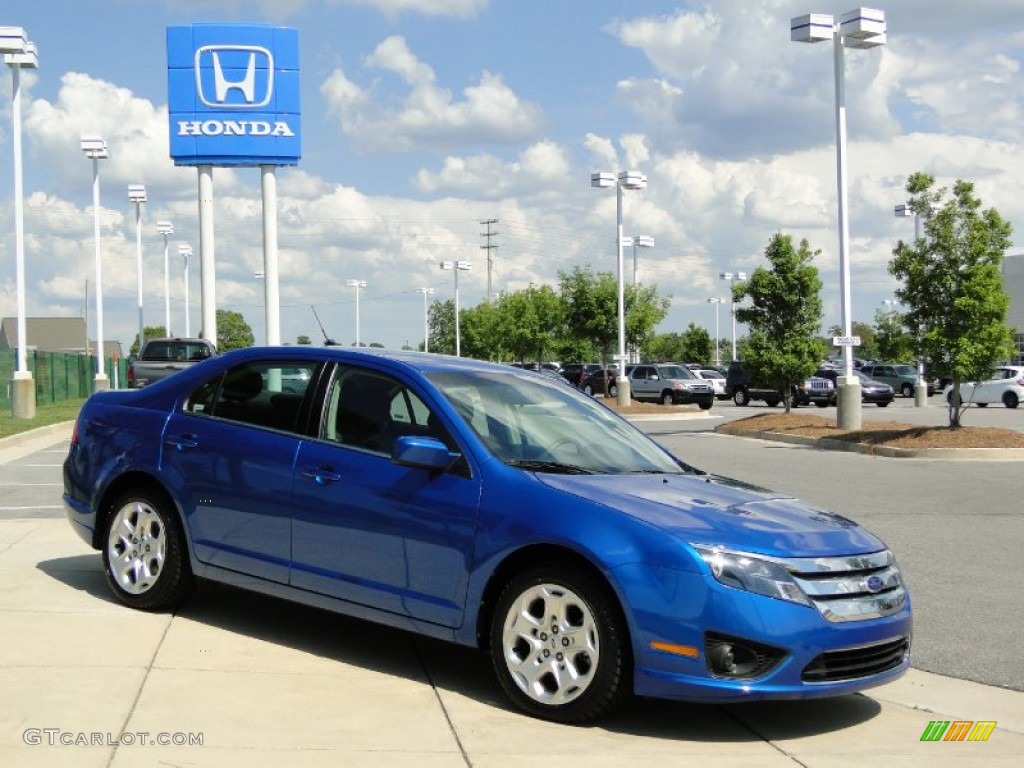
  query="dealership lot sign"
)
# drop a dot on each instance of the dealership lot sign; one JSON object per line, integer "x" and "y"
{"x": 233, "y": 94}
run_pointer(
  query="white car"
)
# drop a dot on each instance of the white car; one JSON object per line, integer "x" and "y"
{"x": 1006, "y": 386}
{"x": 716, "y": 379}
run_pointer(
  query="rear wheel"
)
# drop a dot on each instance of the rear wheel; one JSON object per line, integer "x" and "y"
{"x": 144, "y": 555}
{"x": 613, "y": 390}
{"x": 771, "y": 402}
{"x": 907, "y": 390}
{"x": 882, "y": 405}
{"x": 741, "y": 397}
{"x": 1010, "y": 399}
{"x": 588, "y": 390}
{"x": 559, "y": 645}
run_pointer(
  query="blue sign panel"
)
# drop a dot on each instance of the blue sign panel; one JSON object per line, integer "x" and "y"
{"x": 233, "y": 94}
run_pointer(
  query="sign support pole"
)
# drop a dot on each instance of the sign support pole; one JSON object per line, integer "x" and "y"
{"x": 207, "y": 268}
{"x": 268, "y": 176}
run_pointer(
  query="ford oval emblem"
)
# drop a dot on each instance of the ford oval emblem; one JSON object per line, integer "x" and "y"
{"x": 874, "y": 584}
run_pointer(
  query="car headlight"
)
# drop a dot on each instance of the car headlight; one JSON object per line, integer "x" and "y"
{"x": 750, "y": 573}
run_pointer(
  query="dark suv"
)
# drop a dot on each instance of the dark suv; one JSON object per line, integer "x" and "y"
{"x": 739, "y": 386}
{"x": 576, "y": 373}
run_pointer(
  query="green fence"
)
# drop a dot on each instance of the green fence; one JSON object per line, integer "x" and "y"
{"x": 59, "y": 376}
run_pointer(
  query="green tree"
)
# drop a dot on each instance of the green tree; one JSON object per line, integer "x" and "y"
{"x": 148, "y": 332}
{"x": 232, "y": 331}
{"x": 952, "y": 284}
{"x": 697, "y": 344}
{"x": 892, "y": 340}
{"x": 663, "y": 348}
{"x": 784, "y": 317}
{"x": 644, "y": 310}
{"x": 477, "y": 332}
{"x": 441, "y": 323}
{"x": 530, "y": 322}
{"x": 591, "y": 308}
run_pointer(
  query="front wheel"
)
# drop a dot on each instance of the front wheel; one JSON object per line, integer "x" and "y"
{"x": 1010, "y": 399}
{"x": 667, "y": 399}
{"x": 907, "y": 390}
{"x": 588, "y": 390}
{"x": 882, "y": 405}
{"x": 144, "y": 556}
{"x": 613, "y": 391}
{"x": 705, "y": 405}
{"x": 559, "y": 645}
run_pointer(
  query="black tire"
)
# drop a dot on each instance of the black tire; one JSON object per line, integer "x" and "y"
{"x": 552, "y": 618}
{"x": 821, "y": 404}
{"x": 588, "y": 390}
{"x": 882, "y": 405}
{"x": 907, "y": 390}
{"x": 982, "y": 405}
{"x": 705, "y": 405}
{"x": 144, "y": 556}
{"x": 667, "y": 398}
{"x": 1010, "y": 399}
{"x": 613, "y": 390}
{"x": 771, "y": 402}
{"x": 741, "y": 397}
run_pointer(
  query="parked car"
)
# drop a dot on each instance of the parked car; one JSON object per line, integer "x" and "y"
{"x": 594, "y": 383}
{"x": 742, "y": 390}
{"x": 160, "y": 358}
{"x": 900, "y": 377}
{"x": 492, "y": 507}
{"x": 717, "y": 381}
{"x": 576, "y": 373}
{"x": 1006, "y": 386}
{"x": 871, "y": 391}
{"x": 669, "y": 384}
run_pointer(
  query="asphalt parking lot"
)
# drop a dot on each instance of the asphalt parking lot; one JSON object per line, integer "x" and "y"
{"x": 262, "y": 682}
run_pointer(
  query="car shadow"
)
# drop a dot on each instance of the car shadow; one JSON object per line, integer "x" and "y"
{"x": 466, "y": 671}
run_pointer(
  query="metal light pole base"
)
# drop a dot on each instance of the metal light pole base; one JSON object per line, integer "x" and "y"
{"x": 622, "y": 391}
{"x": 848, "y": 416}
{"x": 920, "y": 394}
{"x": 100, "y": 382}
{"x": 23, "y": 396}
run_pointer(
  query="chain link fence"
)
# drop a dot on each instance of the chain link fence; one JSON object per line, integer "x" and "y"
{"x": 58, "y": 376}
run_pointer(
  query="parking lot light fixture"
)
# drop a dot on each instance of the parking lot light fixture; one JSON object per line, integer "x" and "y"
{"x": 166, "y": 229}
{"x": 733, "y": 278}
{"x": 456, "y": 267}
{"x": 185, "y": 251}
{"x": 137, "y": 195}
{"x": 633, "y": 180}
{"x": 19, "y": 53}
{"x": 426, "y": 317}
{"x": 638, "y": 241}
{"x": 357, "y": 284}
{"x": 859, "y": 28}
{"x": 717, "y": 301}
{"x": 95, "y": 148}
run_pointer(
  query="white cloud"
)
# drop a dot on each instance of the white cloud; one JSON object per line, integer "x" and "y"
{"x": 541, "y": 166}
{"x": 428, "y": 116}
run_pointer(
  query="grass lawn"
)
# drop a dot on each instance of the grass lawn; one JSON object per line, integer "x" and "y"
{"x": 46, "y": 414}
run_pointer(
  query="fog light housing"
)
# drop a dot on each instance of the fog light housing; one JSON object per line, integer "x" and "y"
{"x": 739, "y": 659}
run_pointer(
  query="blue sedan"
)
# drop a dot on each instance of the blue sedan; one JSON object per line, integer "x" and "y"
{"x": 486, "y": 506}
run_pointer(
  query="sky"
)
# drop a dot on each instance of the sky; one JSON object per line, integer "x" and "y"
{"x": 423, "y": 118}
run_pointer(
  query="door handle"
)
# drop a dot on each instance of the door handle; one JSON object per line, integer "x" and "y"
{"x": 183, "y": 442}
{"x": 321, "y": 475}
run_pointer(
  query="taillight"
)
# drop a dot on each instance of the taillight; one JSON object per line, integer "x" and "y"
{"x": 74, "y": 433}
{"x": 131, "y": 374}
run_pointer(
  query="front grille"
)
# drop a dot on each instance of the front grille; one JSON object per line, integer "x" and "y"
{"x": 854, "y": 663}
{"x": 855, "y": 588}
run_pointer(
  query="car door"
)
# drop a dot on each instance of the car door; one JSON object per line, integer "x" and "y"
{"x": 228, "y": 458}
{"x": 991, "y": 390}
{"x": 641, "y": 382}
{"x": 369, "y": 531}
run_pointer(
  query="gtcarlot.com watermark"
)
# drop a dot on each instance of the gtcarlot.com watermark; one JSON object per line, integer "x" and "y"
{"x": 58, "y": 737}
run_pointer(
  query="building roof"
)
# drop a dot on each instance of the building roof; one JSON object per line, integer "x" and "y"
{"x": 52, "y": 334}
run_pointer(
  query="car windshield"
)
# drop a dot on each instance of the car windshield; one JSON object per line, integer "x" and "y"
{"x": 675, "y": 372}
{"x": 531, "y": 423}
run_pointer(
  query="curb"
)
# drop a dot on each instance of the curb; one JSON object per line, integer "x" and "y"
{"x": 831, "y": 444}
{"x": 15, "y": 446}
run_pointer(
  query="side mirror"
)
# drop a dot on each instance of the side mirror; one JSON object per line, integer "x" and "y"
{"x": 422, "y": 453}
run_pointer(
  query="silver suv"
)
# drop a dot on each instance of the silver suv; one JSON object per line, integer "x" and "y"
{"x": 670, "y": 384}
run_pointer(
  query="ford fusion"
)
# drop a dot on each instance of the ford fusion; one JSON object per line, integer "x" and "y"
{"x": 486, "y": 506}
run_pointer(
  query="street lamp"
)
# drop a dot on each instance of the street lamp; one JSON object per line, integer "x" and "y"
{"x": 185, "y": 251}
{"x": 718, "y": 301}
{"x": 456, "y": 267}
{"x": 733, "y": 277}
{"x": 95, "y": 148}
{"x": 638, "y": 241}
{"x": 426, "y": 325}
{"x": 859, "y": 28}
{"x": 623, "y": 180}
{"x": 19, "y": 53}
{"x": 920, "y": 386}
{"x": 137, "y": 195}
{"x": 357, "y": 284}
{"x": 165, "y": 228}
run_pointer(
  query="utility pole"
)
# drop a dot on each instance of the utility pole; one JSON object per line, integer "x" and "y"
{"x": 489, "y": 247}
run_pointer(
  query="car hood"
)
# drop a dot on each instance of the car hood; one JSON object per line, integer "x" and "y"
{"x": 708, "y": 509}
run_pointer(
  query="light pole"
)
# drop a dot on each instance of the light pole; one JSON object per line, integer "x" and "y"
{"x": 717, "y": 301}
{"x": 920, "y": 386}
{"x": 137, "y": 195}
{"x": 623, "y": 180}
{"x": 859, "y": 28}
{"x": 733, "y": 277}
{"x": 638, "y": 241}
{"x": 185, "y": 251}
{"x": 95, "y": 148}
{"x": 456, "y": 267}
{"x": 165, "y": 228}
{"x": 19, "y": 53}
{"x": 357, "y": 284}
{"x": 426, "y": 324}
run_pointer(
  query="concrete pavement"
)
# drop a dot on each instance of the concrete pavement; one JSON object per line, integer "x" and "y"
{"x": 261, "y": 682}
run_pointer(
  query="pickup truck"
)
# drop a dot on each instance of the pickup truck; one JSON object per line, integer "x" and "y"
{"x": 159, "y": 358}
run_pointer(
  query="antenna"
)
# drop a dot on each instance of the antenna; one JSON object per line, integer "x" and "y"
{"x": 328, "y": 342}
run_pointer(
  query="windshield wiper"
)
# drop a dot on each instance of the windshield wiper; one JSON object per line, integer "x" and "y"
{"x": 550, "y": 466}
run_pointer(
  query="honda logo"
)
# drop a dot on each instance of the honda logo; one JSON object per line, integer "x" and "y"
{"x": 234, "y": 76}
